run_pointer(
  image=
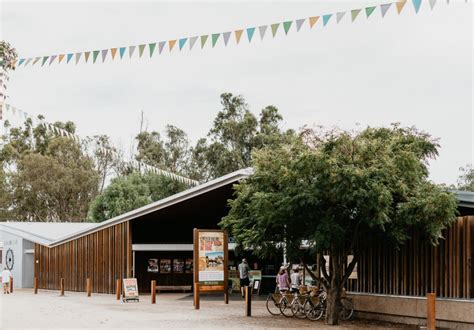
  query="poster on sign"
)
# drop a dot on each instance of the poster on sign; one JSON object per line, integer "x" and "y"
{"x": 130, "y": 289}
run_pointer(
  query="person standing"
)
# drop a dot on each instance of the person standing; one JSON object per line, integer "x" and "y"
{"x": 244, "y": 276}
{"x": 295, "y": 280}
{"x": 6, "y": 276}
{"x": 282, "y": 280}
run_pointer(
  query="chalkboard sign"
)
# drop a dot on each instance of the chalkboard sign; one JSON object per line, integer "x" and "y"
{"x": 256, "y": 286}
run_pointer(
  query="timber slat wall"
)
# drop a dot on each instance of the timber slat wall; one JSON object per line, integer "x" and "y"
{"x": 102, "y": 256}
{"x": 419, "y": 268}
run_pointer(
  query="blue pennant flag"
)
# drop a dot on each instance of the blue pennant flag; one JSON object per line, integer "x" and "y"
{"x": 182, "y": 42}
{"x": 326, "y": 19}
{"x": 250, "y": 32}
{"x": 69, "y": 57}
{"x": 122, "y": 51}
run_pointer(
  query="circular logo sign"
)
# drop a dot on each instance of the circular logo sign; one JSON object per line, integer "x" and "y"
{"x": 9, "y": 259}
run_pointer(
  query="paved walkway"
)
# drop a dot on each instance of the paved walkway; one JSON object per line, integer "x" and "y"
{"x": 23, "y": 309}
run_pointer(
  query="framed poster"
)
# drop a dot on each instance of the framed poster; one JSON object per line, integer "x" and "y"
{"x": 130, "y": 289}
{"x": 188, "y": 266}
{"x": 210, "y": 258}
{"x": 178, "y": 265}
{"x": 165, "y": 266}
{"x": 152, "y": 265}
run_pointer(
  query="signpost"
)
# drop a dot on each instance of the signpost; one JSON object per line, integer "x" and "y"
{"x": 130, "y": 290}
{"x": 210, "y": 263}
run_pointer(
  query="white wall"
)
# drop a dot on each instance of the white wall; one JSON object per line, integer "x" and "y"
{"x": 23, "y": 264}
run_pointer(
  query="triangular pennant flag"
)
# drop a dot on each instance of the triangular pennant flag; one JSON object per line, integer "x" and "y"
{"x": 141, "y": 48}
{"x": 131, "y": 49}
{"x": 113, "y": 52}
{"x": 250, "y": 32}
{"x": 287, "y": 26}
{"x": 203, "y": 40}
{"x": 432, "y": 4}
{"x": 313, "y": 20}
{"x": 354, "y": 13}
{"x": 151, "y": 48}
{"x": 7, "y": 107}
{"x": 28, "y": 61}
{"x": 171, "y": 44}
{"x": 61, "y": 58}
{"x": 161, "y": 46}
{"x": 369, "y": 11}
{"x": 53, "y": 57}
{"x": 400, "y": 5}
{"x": 339, "y": 16}
{"x": 215, "y": 37}
{"x": 238, "y": 35}
{"x": 182, "y": 42}
{"x": 122, "y": 51}
{"x": 78, "y": 57}
{"x": 275, "y": 29}
{"x": 86, "y": 55}
{"x": 14, "y": 110}
{"x": 95, "y": 53}
{"x": 36, "y": 60}
{"x": 326, "y": 18}
{"x": 20, "y": 62}
{"x": 226, "y": 36}
{"x": 417, "y": 5}
{"x": 192, "y": 41}
{"x": 104, "y": 54}
{"x": 384, "y": 8}
{"x": 299, "y": 24}
{"x": 262, "y": 29}
{"x": 45, "y": 58}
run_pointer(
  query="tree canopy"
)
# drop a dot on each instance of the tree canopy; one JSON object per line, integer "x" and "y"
{"x": 340, "y": 191}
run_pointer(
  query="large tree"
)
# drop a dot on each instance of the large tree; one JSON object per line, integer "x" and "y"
{"x": 466, "y": 178}
{"x": 129, "y": 192}
{"x": 340, "y": 192}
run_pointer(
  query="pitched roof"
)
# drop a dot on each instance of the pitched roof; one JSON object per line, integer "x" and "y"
{"x": 465, "y": 198}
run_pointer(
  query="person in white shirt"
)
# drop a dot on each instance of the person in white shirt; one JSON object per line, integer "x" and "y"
{"x": 6, "y": 275}
{"x": 295, "y": 279}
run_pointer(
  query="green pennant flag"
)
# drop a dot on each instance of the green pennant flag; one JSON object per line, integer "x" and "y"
{"x": 287, "y": 26}
{"x": 45, "y": 58}
{"x": 354, "y": 13}
{"x": 369, "y": 11}
{"x": 141, "y": 48}
{"x": 152, "y": 48}
{"x": 203, "y": 40}
{"x": 215, "y": 37}
{"x": 95, "y": 53}
{"x": 275, "y": 28}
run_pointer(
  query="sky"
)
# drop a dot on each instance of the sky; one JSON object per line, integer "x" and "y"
{"x": 415, "y": 69}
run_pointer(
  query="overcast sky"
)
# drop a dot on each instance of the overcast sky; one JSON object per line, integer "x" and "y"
{"x": 412, "y": 69}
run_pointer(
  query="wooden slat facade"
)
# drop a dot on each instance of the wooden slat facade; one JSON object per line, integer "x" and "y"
{"x": 419, "y": 268}
{"x": 102, "y": 256}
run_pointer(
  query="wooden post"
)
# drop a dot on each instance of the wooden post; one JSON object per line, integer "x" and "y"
{"x": 226, "y": 296}
{"x": 196, "y": 294}
{"x": 11, "y": 284}
{"x": 35, "y": 285}
{"x": 248, "y": 301}
{"x": 431, "y": 311}
{"x": 61, "y": 285}
{"x": 88, "y": 287}
{"x": 153, "y": 292}
{"x": 118, "y": 289}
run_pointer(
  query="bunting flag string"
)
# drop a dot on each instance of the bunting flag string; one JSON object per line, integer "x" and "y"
{"x": 109, "y": 54}
{"x": 23, "y": 115}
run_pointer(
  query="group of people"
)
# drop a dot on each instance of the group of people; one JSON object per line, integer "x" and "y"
{"x": 6, "y": 276}
{"x": 287, "y": 283}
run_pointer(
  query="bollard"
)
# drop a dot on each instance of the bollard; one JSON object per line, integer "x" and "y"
{"x": 61, "y": 285}
{"x": 118, "y": 289}
{"x": 196, "y": 295}
{"x": 88, "y": 287}
{"x": 11, "y": 284}
{"x": 153, "y": 292}
{"x": 35, "y": 285}
{"x": 248, "y": 301}
{"x": 431, "y": 311}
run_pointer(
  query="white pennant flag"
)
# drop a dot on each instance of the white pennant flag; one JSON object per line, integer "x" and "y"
{"x": 432, "y": 4}
{"x": 340, "y": 15}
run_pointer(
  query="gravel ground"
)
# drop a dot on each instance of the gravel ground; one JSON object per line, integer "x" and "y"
{"x": 48, "y": 310}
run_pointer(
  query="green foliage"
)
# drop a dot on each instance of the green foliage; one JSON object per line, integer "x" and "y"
{"x": 340, "y": 192}
{"x": 130, "y": 192}
{"x": 8, "y": 55}
{"x": 466, "y": 179}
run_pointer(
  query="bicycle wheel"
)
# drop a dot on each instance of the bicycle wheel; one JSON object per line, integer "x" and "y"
{"x": 313, "y": 312}
{"x": 273, "y": 306}
{"x": 297, "y": 308}
{"x": 347, "y": 310}
{"x": 285, "y": 307}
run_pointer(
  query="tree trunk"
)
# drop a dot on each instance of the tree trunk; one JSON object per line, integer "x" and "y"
{"x": 332, "y": 310}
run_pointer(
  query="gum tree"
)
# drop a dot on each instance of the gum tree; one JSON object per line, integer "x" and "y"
{"x": 340, "y": 191}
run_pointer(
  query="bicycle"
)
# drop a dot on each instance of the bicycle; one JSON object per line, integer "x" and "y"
{"x": 315, "y": 306}
{"x": 273, "y": 303}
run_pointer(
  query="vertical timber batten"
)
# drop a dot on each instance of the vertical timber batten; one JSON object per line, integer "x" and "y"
{"x": 103, "y": 256}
